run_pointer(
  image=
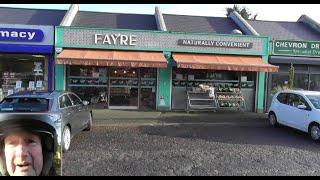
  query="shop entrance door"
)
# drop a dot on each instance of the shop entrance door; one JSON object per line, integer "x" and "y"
{"x": 124, "y": 88}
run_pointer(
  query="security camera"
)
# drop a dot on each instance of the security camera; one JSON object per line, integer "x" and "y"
{"x": 58, "y": 50}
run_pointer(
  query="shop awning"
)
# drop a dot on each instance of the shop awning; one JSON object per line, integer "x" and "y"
{"x": 223, "y": 62}
{"x": 112, "y": 58}
{"x": 294, "y": 60}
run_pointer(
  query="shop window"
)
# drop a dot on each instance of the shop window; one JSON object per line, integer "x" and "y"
{"x": 90, "y": 83}
{"x": 301, "y": 81}
{"x": 279, "y": 82}
{"x": 315, "y": 82}
{"x": 22, "y": 72}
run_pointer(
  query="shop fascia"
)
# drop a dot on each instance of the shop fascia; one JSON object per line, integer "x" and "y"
{"x": 14, "y": 34}
{"x": 296, "y": 48}
{"x": 98, "y": 38}
{"x": 131, "y": 40}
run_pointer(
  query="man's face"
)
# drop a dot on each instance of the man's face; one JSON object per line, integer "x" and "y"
{"x": 23, "y": 152}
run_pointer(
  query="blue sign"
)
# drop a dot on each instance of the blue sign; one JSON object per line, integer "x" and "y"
{"x": 22, "y": 35}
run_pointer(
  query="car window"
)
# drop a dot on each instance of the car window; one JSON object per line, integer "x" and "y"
{"x": 64, "y": 101}
{"x": 296, "y": 100}
{"x": 75, "y": 99}
{"x": 25, "y": 104}
{"x": 282, "y": 98}
{"x": 315, "y": 100}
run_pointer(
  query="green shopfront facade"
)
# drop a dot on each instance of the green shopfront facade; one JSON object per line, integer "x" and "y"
{"x": 139, "y": 80}
{"x": 305, "y": 58}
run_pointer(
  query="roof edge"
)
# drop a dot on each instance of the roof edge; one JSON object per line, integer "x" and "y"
{"x": 70, "y": 15}
{"x": 159, "y": 19}
{"x": 309, "y": 22}
{"x": 243, "y": 24}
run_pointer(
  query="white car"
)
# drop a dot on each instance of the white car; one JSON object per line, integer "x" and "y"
{"x": 297, "y": 109}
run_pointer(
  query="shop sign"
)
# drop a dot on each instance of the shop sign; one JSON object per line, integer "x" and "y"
{"x": 23, "y": 35}
{"x": 115, "y": 39}
{"x": 210, "y": 43}
{"x": 97, "y": 38}
{"x": 296, "y": 48}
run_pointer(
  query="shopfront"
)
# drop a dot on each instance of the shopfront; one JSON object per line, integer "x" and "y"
{"x": 305, "y": 58}
{"x": 147, "y": 70}
{"x": 26, "y": 58}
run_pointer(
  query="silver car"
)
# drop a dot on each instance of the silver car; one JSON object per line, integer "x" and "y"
{"x": 69, "y": 113}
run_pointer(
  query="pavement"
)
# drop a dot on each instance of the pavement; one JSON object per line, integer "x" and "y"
{"x": 131, "y": 118}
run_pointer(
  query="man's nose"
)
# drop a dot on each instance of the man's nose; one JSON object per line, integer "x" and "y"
{"x": 21, "y": 150}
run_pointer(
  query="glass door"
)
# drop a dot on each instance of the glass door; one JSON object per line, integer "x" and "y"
{"x": 124, "y": 88}
{"x": 148, "y": 88}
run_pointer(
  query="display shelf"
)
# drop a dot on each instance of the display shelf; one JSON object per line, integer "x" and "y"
{"x": 86, "y": 77}
{"x": 86, "y": 85}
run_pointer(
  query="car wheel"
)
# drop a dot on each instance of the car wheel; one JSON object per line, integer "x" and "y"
{"x": 273, "y": 120}
{"x": 66, "y": 139}
{"x": 315, "y": 132}
{"x": 89, "y": 123}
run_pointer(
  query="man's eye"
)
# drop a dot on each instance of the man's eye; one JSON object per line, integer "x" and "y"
{"x": 31, "y": 141}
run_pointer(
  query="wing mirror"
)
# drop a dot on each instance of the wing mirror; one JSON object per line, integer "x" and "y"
{"x": 302, "y": 107}
{"x": 85, "y": 103}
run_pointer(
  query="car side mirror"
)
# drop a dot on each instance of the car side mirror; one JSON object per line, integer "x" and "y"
{"x": 86, "y": 103}
{"x": 302, "y": 107}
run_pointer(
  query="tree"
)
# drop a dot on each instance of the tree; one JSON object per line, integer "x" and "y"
{"x": 291, "y": 76}
{"x": 243, "y": 11}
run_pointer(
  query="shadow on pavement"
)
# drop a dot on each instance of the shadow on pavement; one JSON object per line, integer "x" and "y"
{"x": 241, "y": 128}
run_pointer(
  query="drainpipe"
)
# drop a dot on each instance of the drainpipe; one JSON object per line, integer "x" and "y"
{"x": 243, "y": 24}
{"x": 309, "y": 22}
{"x": 69, "y": 16}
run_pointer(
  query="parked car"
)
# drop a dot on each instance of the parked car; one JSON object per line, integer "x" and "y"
{"x": 69, "y": 113}
{"x": 297, "y": 109}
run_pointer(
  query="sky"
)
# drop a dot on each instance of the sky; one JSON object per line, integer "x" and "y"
{"x": 270, "y": 12}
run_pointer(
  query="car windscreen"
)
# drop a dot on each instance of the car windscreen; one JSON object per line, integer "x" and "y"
{"x": 315, "y": 100}
{"x": 24, "y": 104}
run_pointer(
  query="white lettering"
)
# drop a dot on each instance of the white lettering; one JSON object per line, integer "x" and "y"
{"x": 31, "y": 35}
{"x": 97, "y": 37}
{"x": 114, "y": 38}
{"x": 4, "y": 33}
{"x": 14, "y": 34}
{"x": 132, "y": 40}
{"x": 23, "y": 34}
{"x": 124, "y": 40}
{"x": 315, "y": 46}
{"x": 106, "y": 40}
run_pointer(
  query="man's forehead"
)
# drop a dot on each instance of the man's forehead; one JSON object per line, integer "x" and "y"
{"x": 21, "y": 134}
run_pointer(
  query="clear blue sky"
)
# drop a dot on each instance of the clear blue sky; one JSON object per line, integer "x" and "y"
{"x": 272, "y": 12}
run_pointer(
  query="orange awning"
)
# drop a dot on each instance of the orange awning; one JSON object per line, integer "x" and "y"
{"x": 223, "y": 62}
{"x": 112, "y": 58}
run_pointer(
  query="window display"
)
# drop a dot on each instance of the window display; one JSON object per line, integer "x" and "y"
{"x": 90, "y": 83}
{"x": 227, "y": 85}
{"x": 114, "y": 87}
{"x": 21, "y": 72}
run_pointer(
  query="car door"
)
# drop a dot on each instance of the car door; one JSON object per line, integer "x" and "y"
{"x": 296, "y": 117}
{"x": 280, "y": 107}
{"x": 80, "y": 111}
{"x": 65, "y": 108}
